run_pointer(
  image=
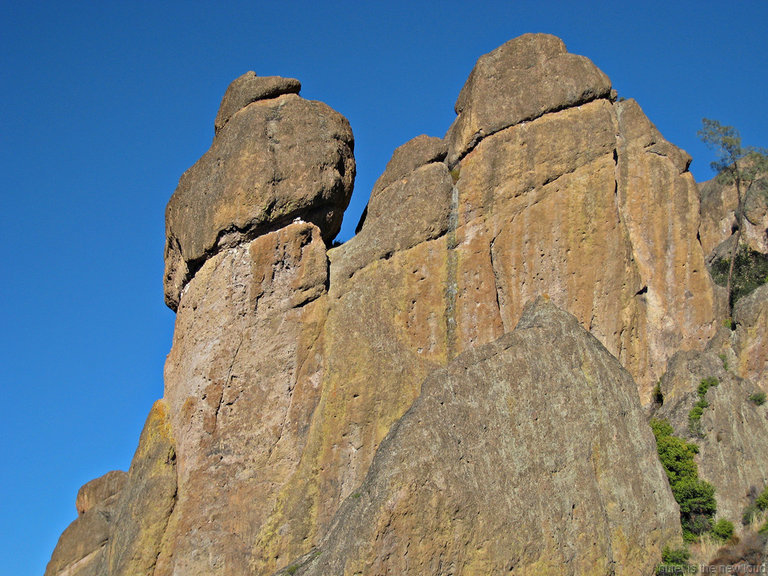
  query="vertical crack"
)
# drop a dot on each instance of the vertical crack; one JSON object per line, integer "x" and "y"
{"x": 497, "y": 284}
{"x": 451, "y": 289}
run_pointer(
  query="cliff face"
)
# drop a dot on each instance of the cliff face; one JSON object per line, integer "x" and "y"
{"x": 374, "y": 398}
{"x": 483, "y": 476}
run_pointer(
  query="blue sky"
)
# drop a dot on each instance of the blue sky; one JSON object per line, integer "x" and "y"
{"x": 105, "y": 104}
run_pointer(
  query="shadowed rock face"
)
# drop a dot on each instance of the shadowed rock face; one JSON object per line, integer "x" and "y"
{"x": 291, "y": 364}
{"x": 483, "y": 474}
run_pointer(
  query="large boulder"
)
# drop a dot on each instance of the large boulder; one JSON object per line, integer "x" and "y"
{"x": 483, "y": 476}
{"x": 519, "y": 81}
{"x": 275, "y": 157}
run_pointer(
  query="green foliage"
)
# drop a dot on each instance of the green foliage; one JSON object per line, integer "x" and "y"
{"x": 745, "y": 168}
{"x": 722, "y": 530}
{"x": 694, "y": 416}
{"x": 749, "y": 514}
{"x": 758, "y": 398}
{"x": 675, "y": 561}
{"x": 292, "y": 569}
{"x": 696, "y": 497}
{"x": 724, "y": 360}
{"x": 760, "y": 504}
{"x": 750, "y": 271}
{"x": 762, "y": 500}
{"x": 734, "y": 161}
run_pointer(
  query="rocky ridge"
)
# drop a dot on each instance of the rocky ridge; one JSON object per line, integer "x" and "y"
{"x": 373, "y": 406}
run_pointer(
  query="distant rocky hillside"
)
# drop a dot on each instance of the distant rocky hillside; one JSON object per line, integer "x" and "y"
{"x": 464, "y": 387}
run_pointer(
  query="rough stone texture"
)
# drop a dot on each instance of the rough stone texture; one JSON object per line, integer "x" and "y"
{"x": 750, "y": 339}
{"x": 519, "y": 81}
{"x": 274, "y": 161}
{"x": 733, "y": 453}
{"x": 287, "y": 372}
{"x": 409, "y": 211}
{"x": 659, "y": 203}
{"x": 147, "y": 501}
{"x": 718, "y": 204}
{"x": 249, "y": 88}
{"x": 408, "y": 157}
{"x": 82, "y": 547}
{"x": 100, "y": 490}
{"x": 242, "y": 381}
{"x": 481, "y": 476}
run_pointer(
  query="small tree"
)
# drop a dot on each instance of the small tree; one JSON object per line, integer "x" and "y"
{"x": 744, "y": 167}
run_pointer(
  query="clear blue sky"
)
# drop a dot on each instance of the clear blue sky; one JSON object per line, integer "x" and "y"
{"x": 105, "y": 104}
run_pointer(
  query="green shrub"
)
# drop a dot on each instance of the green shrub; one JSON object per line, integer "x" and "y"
{"x": 749, "y": 271}
{"x": 724, "y": 360}
{"x": 758, "y": 398}
{"x": 762, "y": 501}
{"x": 694, "y": 416}
{"x": 749, "y": 514}
{"x": 674, "y": 561}
{"x": 722, "y": 530}
{"x": 696, "y": 497}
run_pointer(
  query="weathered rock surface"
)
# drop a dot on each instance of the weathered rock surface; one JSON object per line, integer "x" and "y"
{"x": 100, "y": 490}
{"x": 750, "y": 339}
{"x": 290, "y": 365}
{"x": 718, "y": 220}
{"x": 275, "y": 160}
{"x": 123, "y": 517}
{"x": 482, "y": 476}
{"x": 520, "y": 81}
{"x": 249, "y": 88}
{"x": 241, "y": 385}
{"x": 733, "y": 437}
{"x": 147, "y": 501}
{"x": 82, "y": 547}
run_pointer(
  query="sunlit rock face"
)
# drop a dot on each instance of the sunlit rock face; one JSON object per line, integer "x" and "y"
{"x": 374, "y": 403}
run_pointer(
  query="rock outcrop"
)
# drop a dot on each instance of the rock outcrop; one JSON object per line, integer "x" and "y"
{"x": 275, "y": 157}
{"x": 372, "y": 399}
{"x": 718, "y": 219}
{"x": 482, "y": 476}
{"x": 732, "y": 434}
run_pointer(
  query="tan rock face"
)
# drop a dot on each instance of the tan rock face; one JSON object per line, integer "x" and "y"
{"x": 290, "y": 365}
{"x": 250, "y": 88}
{"x": 100, "y": 490}
{"x": 145, "y": 506}
{"x": 520, "y": 81}
{"x": 481, "y": 476}
{"x": 274, "y": 160}
{"x": 659, "y": 204}
{"x": 718, "y": 220}
{"x": 242, "y": 382}
{"x": 123, "y": 517}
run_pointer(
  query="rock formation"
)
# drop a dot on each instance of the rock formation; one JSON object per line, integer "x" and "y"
{"x": 371, "y": 408}
{"x": 718, "y": 206}
{"x": 482, "y": 476}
